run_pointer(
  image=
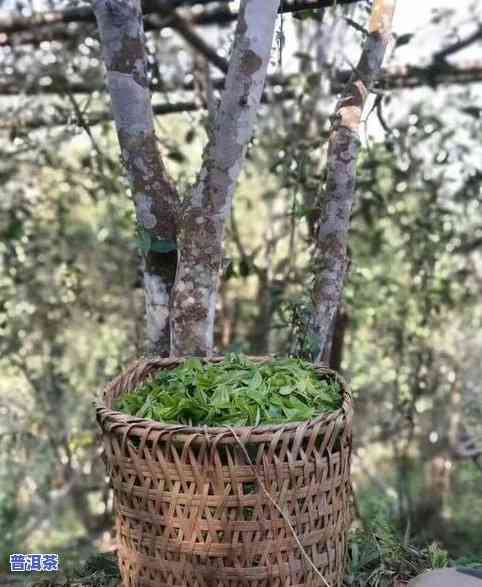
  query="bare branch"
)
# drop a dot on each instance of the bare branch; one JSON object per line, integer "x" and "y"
{"x": 403, "y": 77}
{"x": 469, "y": 246}
{"x": 83, "y": 123}
{"x": 190, "y": 36}
{"x": 203, "y": 223}
{"x": 122, "y": 36}
{"x": 91, "y": 118}
{"x": 459, "y": 45}
{"x": 399, "y": 77}
{"x": 356, "y": 26}
{"x": 330, "y": 253}
{"x": 15, "y": 23}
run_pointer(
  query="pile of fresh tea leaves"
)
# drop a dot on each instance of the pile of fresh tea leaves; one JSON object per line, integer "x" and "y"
{"x": 234, "y": 392}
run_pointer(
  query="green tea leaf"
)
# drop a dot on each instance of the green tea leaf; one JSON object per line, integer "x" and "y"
{"x": 162, "y": 246}
{"x": 234, "y": 392}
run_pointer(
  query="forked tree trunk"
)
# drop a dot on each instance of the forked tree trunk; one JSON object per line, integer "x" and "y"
{"x": 330, "y": 254}
{"x": 180, "y": 311}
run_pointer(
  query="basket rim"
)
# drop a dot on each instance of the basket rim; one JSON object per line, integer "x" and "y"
{"x": 135, "y": 373}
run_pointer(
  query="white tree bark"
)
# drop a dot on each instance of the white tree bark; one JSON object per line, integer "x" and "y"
{"x": 122, "y": 35}
{"x": 332, "y": 233}
{"x": 201, "y": 228}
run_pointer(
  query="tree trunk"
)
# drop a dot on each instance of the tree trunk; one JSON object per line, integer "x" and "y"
{"x": 181, "y": 289}
{"x": 332, "y": 232}
{"x": 122, "y": 35}
{"x": 201, "y": 229}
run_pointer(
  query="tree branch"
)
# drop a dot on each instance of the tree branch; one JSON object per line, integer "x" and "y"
{"x": 186, "y": 31}
{"x": 14, "y": 23}
{"x": 83, "y": 123}
{"x": 459, "y": 45}
{"x": 91, "y": 118}
{"x": 330, "y": 254}
{"x": 400, "y": 77}
{"x": 406, "y": 77}
{"x": 469, "y": 246}
{"x": 202, "y": 228}
{"x": 122, "y": 38}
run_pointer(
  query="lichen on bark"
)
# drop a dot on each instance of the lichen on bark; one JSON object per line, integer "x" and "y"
{"x": 121, "y": 30}
{"x": 330, "y": 253}
{"x": 201, "y": 228}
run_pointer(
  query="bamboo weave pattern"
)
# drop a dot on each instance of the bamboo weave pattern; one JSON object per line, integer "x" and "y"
{"x": 190, "y": 508}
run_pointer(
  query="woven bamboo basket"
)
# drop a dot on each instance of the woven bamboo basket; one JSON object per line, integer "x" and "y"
{"x": 265, "y": 506}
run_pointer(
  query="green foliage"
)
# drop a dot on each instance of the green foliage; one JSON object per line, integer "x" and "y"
{"x": 144, "y": 239}
{"x": 378, "y": 556}
{"x": 99, "y": 570}
{"x": 147, "y": 242}
{"x": 438, "y": 556}
{"x": 71, "y": 300}
{"x": 468, "y": 561}
{"x": 67, "y": 273}
{"x": 163, "y": 246}
{"x": 235, "y": 392}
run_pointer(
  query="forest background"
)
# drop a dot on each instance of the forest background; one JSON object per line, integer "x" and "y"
{"x": 408, "y": 335}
